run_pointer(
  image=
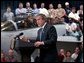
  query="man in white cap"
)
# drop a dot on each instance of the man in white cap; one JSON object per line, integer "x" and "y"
{"x": 67, "y": 8}
{"x": 66, "y": 3}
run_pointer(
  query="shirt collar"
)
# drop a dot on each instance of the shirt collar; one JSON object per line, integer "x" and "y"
{"x": 44, "y": 25}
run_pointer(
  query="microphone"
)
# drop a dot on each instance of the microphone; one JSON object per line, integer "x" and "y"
{"x": 17, "y": 36}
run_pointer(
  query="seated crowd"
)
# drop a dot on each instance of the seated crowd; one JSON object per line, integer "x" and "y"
{"x": 71, "y": 17}
{"x": 64, "y": 56}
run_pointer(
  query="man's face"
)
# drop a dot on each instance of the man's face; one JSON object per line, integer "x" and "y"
{"x": 8, "y": 9}
{"x": 42, "y": 5}
{"x": 73, "y": 10}
{"x": 35, "y": 6}
{"x": 50, "y": 6}
{"x": 27, "y": 4}
{"x": 59, "y": 6}
{"x": 11, "y": 52}
{"x": 20, "y": 5}
{"x": 40, "y": 22}
{"x": 68, "y": 54}
{"x": 81, "y": 7}
{"x": 77, "y": 50}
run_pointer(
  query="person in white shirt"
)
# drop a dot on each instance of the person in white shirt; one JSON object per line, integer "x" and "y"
{"x": 8, "y": 15}
{"x": 20, "y": 10}
{"x": 43, "y": 10}
{"x": 73, "y": 30}
{"x": 71, "y": 27}
{"x": 74, "y": 15}
{"x": 75, "y": 54}
{"x": 80, "y": 11}
{"x": 67, "y": 8}
{"x": 68, "y": 57}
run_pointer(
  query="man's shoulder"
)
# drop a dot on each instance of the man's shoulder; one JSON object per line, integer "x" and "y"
{"x": 49, "y": 26}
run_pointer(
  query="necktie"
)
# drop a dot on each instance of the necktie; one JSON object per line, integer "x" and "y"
{"x": 40, "y": 39}
{"x": 40, "y": 33}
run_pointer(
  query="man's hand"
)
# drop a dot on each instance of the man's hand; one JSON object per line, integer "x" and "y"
{"x": 24, "y": 39}
{"x": 38, "y": 43}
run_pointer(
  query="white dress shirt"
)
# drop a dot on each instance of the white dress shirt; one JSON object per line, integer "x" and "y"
{"x": 44, "y": 11}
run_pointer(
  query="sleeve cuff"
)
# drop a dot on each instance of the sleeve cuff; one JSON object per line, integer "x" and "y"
{"x": 43, "y": 43}
{"x": 28, "y": 41}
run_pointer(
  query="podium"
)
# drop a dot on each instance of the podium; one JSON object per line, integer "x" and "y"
{"x": 25, "y": 49}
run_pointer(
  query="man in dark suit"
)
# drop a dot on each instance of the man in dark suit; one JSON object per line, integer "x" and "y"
{"x": 46, "y": 40}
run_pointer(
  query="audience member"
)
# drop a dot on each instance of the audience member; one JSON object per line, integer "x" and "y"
{"x": 61, "y": 55}
{"x": 68, "y": 10}
{"x": 43, "y": 10}
{"x": 73, "y": 15}
{"x": 11, "y": 56}
{"x": 28, "y": 22}
{"x": 59, "y": 14}
{"x": 8, "y": 15}
{"x": 51, "y": 11}
{"x": 28, "y": 9}
{"x": 35, "y": 10}
{"x": 68, "y": 57}
{"x": 80, "y": 55}
{"x": 20, "y": 10}
{"x": 75, "y": 54}
{"x": 80, "y": 11}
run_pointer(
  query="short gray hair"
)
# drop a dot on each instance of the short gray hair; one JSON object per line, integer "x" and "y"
{"x": 43, "y": 16}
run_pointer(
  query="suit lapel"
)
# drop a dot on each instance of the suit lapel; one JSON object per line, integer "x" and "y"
{"x": 45, "y": 31}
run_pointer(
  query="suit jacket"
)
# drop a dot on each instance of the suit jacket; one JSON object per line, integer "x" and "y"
{"x": 48, "y": 51}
